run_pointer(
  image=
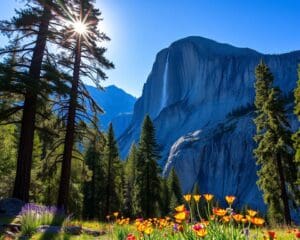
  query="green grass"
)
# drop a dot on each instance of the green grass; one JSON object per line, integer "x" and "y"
{"x": 281, "y": 233}
{"x": 7, "y": 220}
{"x": 120, "y": 232}
{"x": 63, "y": 236}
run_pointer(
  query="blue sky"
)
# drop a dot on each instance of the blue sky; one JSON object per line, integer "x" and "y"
{"x": 141, "y": 28}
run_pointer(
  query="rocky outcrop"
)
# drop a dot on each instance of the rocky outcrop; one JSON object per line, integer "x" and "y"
{"x": 193, "y": 87}
{"x": 10, "y": 207}
{"x": 217, "y": 158}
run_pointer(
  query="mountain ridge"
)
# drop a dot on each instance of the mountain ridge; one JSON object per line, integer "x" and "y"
{"x": 115, "y": 103}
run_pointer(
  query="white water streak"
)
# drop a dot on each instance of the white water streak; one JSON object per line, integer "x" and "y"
{"x": 164, "y": 87}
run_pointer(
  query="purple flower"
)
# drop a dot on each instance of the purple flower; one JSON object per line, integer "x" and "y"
{"x": 31, "y": 208}
{"x": 175, "y": 227}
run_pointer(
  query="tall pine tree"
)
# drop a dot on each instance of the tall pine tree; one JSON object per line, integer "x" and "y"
{"x": 113, "y": 167}
{"x": 85, "y": 59}
{"x": 165, "y": 198}
{"x": 296, "y": 135}
{"x": 147, "y": 184}
{"x": 31, "y": 76}
{"x": 274, "y": 148}
{"x": 130, "y": 176}
{"x": 175, "y": 189}
{"x": 93, "y": 190}
{"x": 32, "y": 22}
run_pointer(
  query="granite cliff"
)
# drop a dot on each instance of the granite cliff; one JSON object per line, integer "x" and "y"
{"x": 200, "y": 95}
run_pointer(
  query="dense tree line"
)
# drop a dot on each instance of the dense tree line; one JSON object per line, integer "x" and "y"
{"x": 133, "y": 187}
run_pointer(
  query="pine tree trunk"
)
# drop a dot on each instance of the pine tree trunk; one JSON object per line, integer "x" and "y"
{"x": 24, "y": 160}
{"x": 287, "y": 214}
{"x": 147, "y": 192}
{"x": 64, "y": 186}
{"x": 92, "y": 213}
{"x": 108, "y": 187}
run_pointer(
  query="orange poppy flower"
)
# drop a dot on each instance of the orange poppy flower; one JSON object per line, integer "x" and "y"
{"x": 230, "y": 199}
{"x": 238, "y": 217}
{"x": 116, "y": 214}
{"x": 208, "y": 197}
{"x": 181, "y": 216}
{"x": 201, "y": 233}
{"x": 252, "y": 213}
{"x": 248, "y": 217}
{"x": 244, "y": 220}
{"x": 257, "y": 221}
{"x": 187, "y": 197}
{"x": 219, "y": 212}
{"x": 205, "y": 223}
{"x": 141, "y": 227}
{"x": 197, "y": 197}
{"x": 180, "y": 208}
{"x": 226, "y": 219}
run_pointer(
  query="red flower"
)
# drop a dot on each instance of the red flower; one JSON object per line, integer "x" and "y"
{"x": 271, "y": 234}
{"x": 130, "y": 237}
{"x": 197, "y": 227}
{"x": 298, "y": 234}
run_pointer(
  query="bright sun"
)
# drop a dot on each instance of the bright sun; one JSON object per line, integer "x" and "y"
{"x": 80, "y": 27}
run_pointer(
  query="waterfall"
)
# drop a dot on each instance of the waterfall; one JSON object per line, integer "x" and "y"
{"x": 164, "y": 86}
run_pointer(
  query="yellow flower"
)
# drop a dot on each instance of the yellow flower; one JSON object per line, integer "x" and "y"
{"x": 208, "y": 197}
{"x": 187, "y": 197}
{"x": 197, "y": 197}
{"x": 251, "y": 213}
{"x": 201, "y": 233}
{"x": 230, "y": 199}
{"x": 148, "y": 230}
{"x": 181, "y": 216}
{"x": 116, "y": 214}
{"x": 180, "y": 208}
{"x": 219, "y": 212}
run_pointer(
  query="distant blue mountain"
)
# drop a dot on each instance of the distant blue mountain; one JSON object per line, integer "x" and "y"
{"x": 117, "y": 105}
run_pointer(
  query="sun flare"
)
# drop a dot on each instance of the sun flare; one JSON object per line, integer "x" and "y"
{"x": 80, "y": 27}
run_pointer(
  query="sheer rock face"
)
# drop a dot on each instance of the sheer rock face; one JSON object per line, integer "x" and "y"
{"x": 220, "y": 160}
{"x": 193, "y": 86}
